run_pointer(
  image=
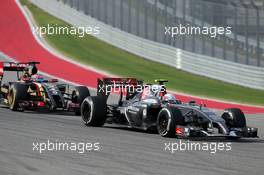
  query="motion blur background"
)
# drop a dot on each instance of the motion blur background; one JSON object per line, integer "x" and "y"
{"x": 147, "y": 18}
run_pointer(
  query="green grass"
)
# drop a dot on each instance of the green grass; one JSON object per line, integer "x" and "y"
{"x": 91, "y": 51}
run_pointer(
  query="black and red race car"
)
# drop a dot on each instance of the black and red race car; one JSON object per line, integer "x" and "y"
{"x": 31, "y": 90}
{"x": 151, "y": 107}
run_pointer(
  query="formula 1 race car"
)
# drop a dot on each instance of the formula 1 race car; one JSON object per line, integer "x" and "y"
{"x": 151, "y": 107}
{"x": 31, "y": 91}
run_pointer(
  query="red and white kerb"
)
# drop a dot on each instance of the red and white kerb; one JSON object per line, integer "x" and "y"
{"x": 1, "y": 68}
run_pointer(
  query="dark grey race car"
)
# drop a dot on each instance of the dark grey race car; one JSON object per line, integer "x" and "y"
{"x": 31, "y": 91}
{"x": 162, "y": 111}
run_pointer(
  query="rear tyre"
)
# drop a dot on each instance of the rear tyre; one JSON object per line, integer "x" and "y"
{"x": 17, "y": 93}
{"x": 234, "y": 117}
{"x": 78, "y": 95}
{"x": 94, "y": 111}
{"x": 167, "y": 120}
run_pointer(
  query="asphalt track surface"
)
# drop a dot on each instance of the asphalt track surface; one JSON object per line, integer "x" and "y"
{"x": 122, "y": 151}
{"x": 18, "y": 42}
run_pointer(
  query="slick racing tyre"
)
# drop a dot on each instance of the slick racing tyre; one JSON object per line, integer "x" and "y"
{"x": 78, "y": 95}
{"x": 94, "y": 111}
{"x": 234, "y": 117}
{"x": 167, "y": 120}
{"x": 17, "y": 93}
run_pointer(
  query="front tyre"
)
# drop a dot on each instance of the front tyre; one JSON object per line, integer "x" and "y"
{"x": 234, "y": 118}
{"x": 94, "y": 111}
{"x": 167, "y": 120}
{"x": 78, "y": 95}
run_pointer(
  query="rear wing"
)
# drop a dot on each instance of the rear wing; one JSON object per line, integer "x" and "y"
{"x": 17, "y": 67}
{"x": 119, "y": 85}
{"x": 12, "y": 66}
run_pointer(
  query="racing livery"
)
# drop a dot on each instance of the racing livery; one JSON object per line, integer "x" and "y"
{"x": 154, "y": 108}
{"x": 31, "y": 91}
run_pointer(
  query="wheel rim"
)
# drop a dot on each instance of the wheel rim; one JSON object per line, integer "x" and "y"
{"x": 11, "y": 98}
{"x": 163, "y": 124}
{"x": 86, "y": 112}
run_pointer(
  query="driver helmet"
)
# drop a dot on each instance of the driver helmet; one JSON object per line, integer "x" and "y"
{"x": 25, "y": 76}
{"x": 26, "y": 72}
{"x": 169, "y": 98}
{"x": 37, "y": 78}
